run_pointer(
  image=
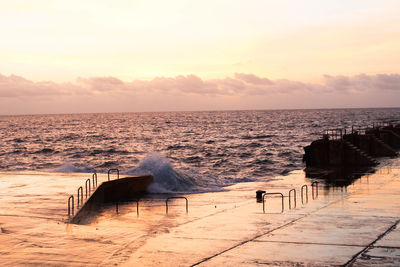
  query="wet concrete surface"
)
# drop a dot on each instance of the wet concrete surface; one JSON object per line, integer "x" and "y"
{"x": 357, "y": 225}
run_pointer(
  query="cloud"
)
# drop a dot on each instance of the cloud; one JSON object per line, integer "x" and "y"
{"x": 101, "y": 84}
{"x": 253, "y": 79}
{"x": 240, "y": 84}
{"x": 362, "y": 82}
{"x": 16, "y": 86}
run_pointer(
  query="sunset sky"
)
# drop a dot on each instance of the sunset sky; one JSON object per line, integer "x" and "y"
{"x": 126, "y": 55}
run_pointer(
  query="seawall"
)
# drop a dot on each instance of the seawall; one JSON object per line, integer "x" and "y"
{"x": 123, "y": 189}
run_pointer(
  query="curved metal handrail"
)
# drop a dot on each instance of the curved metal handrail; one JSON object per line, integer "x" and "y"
{"x": 110, "y": 170}
{"x": 314, "y": 185}
{"x": 283, "y": 204}
{"x": 81, "y": 190}
{"x": 86, "y": 187}
{"x": 294, "y": 197}
{"x": 137, "y": 206}
{"x": 69, "y": 205}
{"x": 302, "y": 190}
{"x": 166, "y": 203}
{"x": 94, "y": 175}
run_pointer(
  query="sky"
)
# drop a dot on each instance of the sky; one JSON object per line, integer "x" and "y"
{"x": 128, "y": 56}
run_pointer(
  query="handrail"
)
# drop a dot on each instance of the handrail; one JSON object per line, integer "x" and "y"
{"x": 110, "y": 170}
{"x": 283, "y": 204}
{"x": 290, "y": 199}
{"x": 94, "y": 175}
{"x": 314, "y": 184}
{"x": 302, "y": 189}
{"x": 69, "y": 206}
{"x": 137, "y": 206}
{"x": 81, "y": 189}
{"x": 86, "y": 188}
{"x": 380, "y": 124}
{"x": 166, "y": 203}
{"x": 358, "y": 130}
{"x": 336, "y": 134}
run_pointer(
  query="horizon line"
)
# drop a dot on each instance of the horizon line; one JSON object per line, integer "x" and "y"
{"x": 197, "y": 111}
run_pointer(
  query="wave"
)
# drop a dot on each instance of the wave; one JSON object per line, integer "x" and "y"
{"x": 167, "y": 179}
{"x": 69, "y": 167}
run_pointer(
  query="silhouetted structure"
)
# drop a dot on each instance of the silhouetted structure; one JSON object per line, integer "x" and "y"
{"x": 345, "y": 152}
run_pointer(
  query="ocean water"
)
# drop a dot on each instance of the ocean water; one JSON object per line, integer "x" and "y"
{"x": 184, "y": 151}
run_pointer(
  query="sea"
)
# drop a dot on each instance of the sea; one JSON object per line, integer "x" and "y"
{"x": 184, "y": 151}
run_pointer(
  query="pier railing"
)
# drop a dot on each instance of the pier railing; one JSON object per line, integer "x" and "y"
{"x": 117, "y": 204}
{"x": 292, "y": 195}
{"x": 90, "y": 185}
{"x": 113, "y": 170}
{"x": 334, "y": 134}
{"x": 380, "y": 124}
{"x": 302, "y": 194}
{"x": 359, "y": 129}
{"x": 294, "y": 198}
{"x": 337, "y": 133}
{"x": 274, "y": 193}
{"x": 133, "y": 200}
{"x": 166, "y": 203}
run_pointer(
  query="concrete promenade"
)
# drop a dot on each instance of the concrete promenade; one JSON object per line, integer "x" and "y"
{"x": 354, "y": 226}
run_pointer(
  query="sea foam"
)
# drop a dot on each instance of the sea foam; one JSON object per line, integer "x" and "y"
{"x": 168, "y": 179}
{"x": 69, "y": 167}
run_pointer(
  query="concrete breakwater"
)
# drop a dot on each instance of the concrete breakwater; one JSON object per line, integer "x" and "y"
{"x": 112, "y": 191}
{"x": 350, "y": 151}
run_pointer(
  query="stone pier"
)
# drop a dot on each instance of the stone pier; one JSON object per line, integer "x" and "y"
{"x": 339, "y": 150}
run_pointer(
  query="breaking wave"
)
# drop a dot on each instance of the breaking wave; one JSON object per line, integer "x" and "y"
{"x": 167, "y": 179}
{"x": 69, "y": 167}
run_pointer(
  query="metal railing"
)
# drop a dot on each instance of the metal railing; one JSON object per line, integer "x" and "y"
{"x": 166, "y": 203}
{"x": 93, "y": 178}
{"x": 358, "y": 130}
{"x": 337, "y": 134}
{"x": 334, "y": 134}
{"x": 380, "y": 124}
{"x": 302, "y": 194}
{"x": 86, "y": 187}
{"x": 290, "y": 199}
{"x": 81, "y": 190}
{"x": 314, "y": 187}
{"x": 111, "y": 170}
{"x": 69, "y": 205}
{"x": 276, "y": 193}
{"x": 89, "y": 188}
{"x": 137, "y": 206}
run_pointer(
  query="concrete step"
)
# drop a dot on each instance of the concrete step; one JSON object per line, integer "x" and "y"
{"x": 379, "y": 140}
{"x": 360, "y": 152}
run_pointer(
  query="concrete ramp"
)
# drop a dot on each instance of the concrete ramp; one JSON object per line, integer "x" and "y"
{"x": 123, "y": 189}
